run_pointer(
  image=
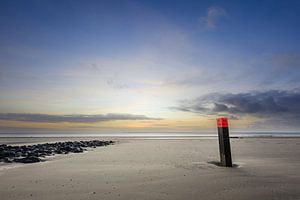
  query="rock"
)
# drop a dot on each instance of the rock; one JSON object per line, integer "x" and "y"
{"x": 30, "y": 159}
{"x": 31, "y": 153}
{"x": 18, "y": 154}
{"x": 59, "y": 152}
{"x": 8, "y": 160}
{"x": 8, "y": 153}
{"x": 78, "y": 150}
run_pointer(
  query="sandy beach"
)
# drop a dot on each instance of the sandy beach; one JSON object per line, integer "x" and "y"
{"x": 268, "y": 168}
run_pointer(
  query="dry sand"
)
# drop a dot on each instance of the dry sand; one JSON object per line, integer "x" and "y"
{"x": 162, "y": 169}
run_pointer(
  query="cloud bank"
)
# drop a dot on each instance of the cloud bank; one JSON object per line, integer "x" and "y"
{"x": 276, "y": 105}
{"x": 80, "y": 118}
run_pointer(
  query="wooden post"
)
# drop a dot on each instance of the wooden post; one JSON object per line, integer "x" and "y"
{"x": 224, "y": 142}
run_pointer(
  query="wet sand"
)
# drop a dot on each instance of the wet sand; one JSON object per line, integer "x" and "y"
{"x": 268, "y": 168}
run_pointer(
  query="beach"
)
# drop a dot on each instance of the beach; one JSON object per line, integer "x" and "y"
{"x": 177, "y": 169}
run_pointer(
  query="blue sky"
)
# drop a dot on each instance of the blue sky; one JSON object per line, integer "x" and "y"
{"x": 166, "y": 65}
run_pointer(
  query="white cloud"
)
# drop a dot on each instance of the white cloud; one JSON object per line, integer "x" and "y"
{"x": 213, "y": 15}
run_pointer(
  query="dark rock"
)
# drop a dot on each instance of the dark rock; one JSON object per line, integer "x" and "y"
{"x": 8, "y": 153}
{"x": 8, "y": 160}
{"x": 18, "y": 154}
{"x": 78, "y": 150}
{"x": 30, "y": 159}
{"x": 31, "y": 153}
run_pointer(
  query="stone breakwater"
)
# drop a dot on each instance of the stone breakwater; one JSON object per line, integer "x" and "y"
{"x": 34, "y": 153}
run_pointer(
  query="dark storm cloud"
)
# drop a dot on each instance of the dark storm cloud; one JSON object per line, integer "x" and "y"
{"x": 266, "y": 103}
{"x": 71, "y": 118}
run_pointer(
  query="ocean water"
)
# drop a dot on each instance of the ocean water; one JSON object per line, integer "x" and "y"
{"x": 151, "y": 135}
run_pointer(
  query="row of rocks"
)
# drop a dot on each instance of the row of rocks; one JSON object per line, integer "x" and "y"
{"x": 33, "y": 153}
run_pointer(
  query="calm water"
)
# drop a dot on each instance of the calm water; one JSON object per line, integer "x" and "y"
{"x": 159, "y": 135}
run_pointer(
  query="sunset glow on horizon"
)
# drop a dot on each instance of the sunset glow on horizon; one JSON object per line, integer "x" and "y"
{"x": 149, "y": 65}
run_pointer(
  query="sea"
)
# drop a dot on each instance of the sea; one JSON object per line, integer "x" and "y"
{"x": 150, "y": 135}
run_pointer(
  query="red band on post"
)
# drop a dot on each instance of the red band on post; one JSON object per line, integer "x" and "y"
{"x": 222, "y": 122}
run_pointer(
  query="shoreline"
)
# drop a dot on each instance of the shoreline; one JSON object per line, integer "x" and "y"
{"x": 37, "y": 140}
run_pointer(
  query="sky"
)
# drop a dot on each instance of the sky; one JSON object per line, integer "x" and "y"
{"x": 149, "y": 65}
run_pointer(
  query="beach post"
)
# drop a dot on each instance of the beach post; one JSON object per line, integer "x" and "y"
{"x": 224, "y": 142}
